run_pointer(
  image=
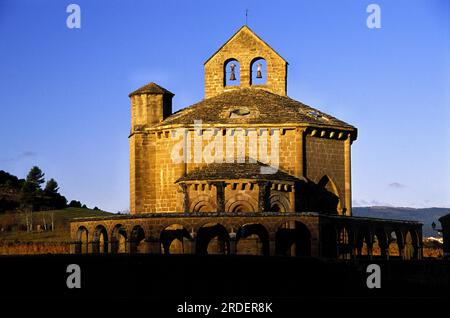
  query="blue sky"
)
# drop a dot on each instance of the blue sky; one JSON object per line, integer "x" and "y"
{"x": 64, "y": 103}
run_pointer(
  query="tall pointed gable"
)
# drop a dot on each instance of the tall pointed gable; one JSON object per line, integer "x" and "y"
{"x": 243, "y": 55}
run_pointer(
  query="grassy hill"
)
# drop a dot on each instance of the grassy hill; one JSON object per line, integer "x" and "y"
{"x": 61, "y": 220}
{"x": 427, "y": 215}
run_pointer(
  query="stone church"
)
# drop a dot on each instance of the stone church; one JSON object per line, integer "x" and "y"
{"x": 247, "y": 170}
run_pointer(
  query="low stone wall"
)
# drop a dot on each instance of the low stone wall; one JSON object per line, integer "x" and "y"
{"x": 23, "y": 248}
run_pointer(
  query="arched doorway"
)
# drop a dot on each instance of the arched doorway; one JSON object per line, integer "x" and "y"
{"x": 213, "y": 238}
{"x": 174, "y": 239}
{"x": 82, "y": 241}
{"x": 293, "y": 239}
{"x": 100, "y": 240}
{"x": 252, "y": 239}
{"x": 119, "y": 239}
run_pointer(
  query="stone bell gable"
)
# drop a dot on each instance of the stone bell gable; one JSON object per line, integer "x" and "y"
{"x": 245, "y": 48}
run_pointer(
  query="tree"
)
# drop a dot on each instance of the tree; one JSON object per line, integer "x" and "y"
{"x": 74, "y": 204}
{"x": 28, "y": 194}
{"x": 35, "y": 177}
{"x": 51, "y": 187}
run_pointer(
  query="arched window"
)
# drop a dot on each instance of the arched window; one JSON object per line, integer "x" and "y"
{"x": 231, "y": 73}
{"x": 376, "y": 248}
{"x": 394, "y": 250}
{"x": 259, "y": 71}
{"x": 329, "y": 200}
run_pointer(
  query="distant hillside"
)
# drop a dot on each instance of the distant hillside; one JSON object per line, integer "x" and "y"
{"x": 12, "y": 225}
{"x": 427, "y": 216}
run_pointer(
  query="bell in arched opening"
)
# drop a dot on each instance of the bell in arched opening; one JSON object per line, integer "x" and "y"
{"x": 232, "y": 72}
{"x": 258, "y": 72}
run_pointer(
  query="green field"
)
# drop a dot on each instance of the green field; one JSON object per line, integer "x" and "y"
{"x": 61, "y": 232}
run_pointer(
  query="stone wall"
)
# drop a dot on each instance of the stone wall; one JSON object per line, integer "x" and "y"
{"x": 154, "y": 173}
{"x": 325, "y": 157}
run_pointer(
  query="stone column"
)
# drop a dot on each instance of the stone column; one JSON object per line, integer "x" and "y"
{"x": 190, "y": 245}
{"x": 90, "y": 248}
{"x": 112, "y": 246}
{"x": 384, "y": 252}
{"x": 233, "y": 244}
{"x": 220, "y": 196}
{"x": 263, "y": 196}
{"x": 75, "y": 248}
{"x": 300, "y": 164}
{"x": 185, "y": 203}
{"x": 292, "y": 198}
{"x": 348, "y": 181}
{"x": 272, "y": 247}
{"x": 94, "y": 247}
{"x": 130, "y": 247}
{"x": 154, "y": 246}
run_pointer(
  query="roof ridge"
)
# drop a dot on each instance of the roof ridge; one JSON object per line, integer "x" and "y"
{"x": 242, "y": 29}
{"x": 151, "y": 88}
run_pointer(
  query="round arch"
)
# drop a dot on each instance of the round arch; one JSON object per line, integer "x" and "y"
{"x": 213, "y": 238}
{"x": 331, "y": 200}
{"x": 100, "y": 240}
{"x": 241, "y": 202}
{"x": 203, "y": 203}
{"x": 293, "y": 238}
{"x": 279, "y": 203}
{"x": 395, "y": 243}
{"x": 363, "y": 242}
{"x": 252, "y": 239}
{"x": 173, "y": 239}
{"x": 82, "y": 240}
{"x": 258, "y": 69}
{"x": 119, "y": 239}
{"x": 231, "y": 72}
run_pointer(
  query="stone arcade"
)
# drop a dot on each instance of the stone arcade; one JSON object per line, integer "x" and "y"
{"x": 230, "y": 205}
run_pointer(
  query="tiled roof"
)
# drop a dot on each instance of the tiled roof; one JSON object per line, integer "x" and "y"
{"x": 252, "y": 106}
{"x": 151, "y": 88}
{"x": 229, "y": 171}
